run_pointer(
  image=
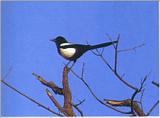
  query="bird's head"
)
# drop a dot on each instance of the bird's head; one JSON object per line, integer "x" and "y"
{"x": 59, "y": 40}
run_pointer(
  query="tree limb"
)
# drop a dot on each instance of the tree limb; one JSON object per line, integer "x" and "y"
{"x": 52, "y": 85}
{"x": 67, "y": 109}
{"x": 126, "y": 103}
{"x": 31, "y": 99}
{"x": 67, "y": 93}
{"x": 61, "y": 109}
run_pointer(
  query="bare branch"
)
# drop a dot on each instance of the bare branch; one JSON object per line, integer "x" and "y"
{"x": 125, "y": 82}
{"x": 144, "y": 80}
{"x": 97, "y": 54}
{"x": 116, "y": 54}
{"x": 76, "y": 107}
{"x": 110, "y": 39}
{"x": 132, "y": 102}
{"x": 67, "y": 93}
{"x": 155, "y": 83}
{"x": 52, "y": 85}
{"x": 135, "y": 93}
{"x": 93, "y": 94}
{"x": 141, "y": 98}
{"x": 67, "y": 109}
{"x": 61, "y": 109}
{"x": 113, "y": 70}
{"x": 119, "y": 103}
{"x": 31, "y": 99}
{"x": 6, "y": 75}
{"x": 105, "y": 61}
{"x": 126, "y": 103}
{"x": 152, "y": 108}
{"x": 131, "y": 49}
{"x": 80, "y": 102}
{"x": 82, "y": 74}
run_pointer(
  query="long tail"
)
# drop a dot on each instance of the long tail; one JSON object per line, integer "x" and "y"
{"x": 102, "y": 45}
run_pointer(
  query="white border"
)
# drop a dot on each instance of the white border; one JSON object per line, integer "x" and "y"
{"x": 68, "y": 1}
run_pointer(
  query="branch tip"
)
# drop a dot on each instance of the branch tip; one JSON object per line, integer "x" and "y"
{"x": 48, "y": 92}
{"x": 155, "y": 83}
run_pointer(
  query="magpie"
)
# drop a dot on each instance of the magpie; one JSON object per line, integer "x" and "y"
{"x": 72, "y": 51}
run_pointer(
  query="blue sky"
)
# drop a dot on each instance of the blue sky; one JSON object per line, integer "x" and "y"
{"x": 27, "y": 28}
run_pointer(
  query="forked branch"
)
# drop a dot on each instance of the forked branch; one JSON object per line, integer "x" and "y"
{"x": 114, "y": 69}
{"x": 52, "y": 85}
{"x": 67, "y": 108}
{"x": 93, "y": 94}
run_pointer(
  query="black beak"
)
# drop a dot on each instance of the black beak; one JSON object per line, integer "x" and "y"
{"x": 52, "y": 40}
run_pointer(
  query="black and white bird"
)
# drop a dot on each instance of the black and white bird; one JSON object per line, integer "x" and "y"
{"x": 72, "y": 51}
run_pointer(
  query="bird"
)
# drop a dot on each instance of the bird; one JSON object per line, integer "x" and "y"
{"x": 71, "y": 51}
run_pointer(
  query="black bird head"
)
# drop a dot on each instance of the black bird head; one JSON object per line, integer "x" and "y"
{"x": 59, "y": 40}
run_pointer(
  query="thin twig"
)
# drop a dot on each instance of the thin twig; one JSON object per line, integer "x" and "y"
{"x": 80, "y": 102}
{"x": 135, "y": 93}
{"x": 82, "y": 74}
{"x": 76, "y": 107}
{"x": 116, "y": 54}
{"x": 135, "y": 107}
{"x": 102, "y": 50}
{"x": 93, "y": 94}
{"x": 110, "y": 39}
{"x": 152, "y": 108}
{"x": 105, "y": 61}
{"x": 95, "y": 53}
{"x": 141, "y": 98}
{"x": 116, "y": 73}
{"x": 31, "y": 99}
{"x": 155, "y": 83}
{"x": 125, "y": 82}
{"x": 131, "y": 49}
{"x": 132, "y": 101}
{"x": 6, "y": 75}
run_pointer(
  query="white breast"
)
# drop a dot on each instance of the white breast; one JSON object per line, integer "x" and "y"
{"x": 68, "y": 52}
